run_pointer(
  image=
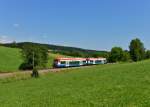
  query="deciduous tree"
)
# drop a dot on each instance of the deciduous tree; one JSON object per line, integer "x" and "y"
{"x": 116, "y": 54}
{"x": 34, "y": 53}
{"x": 137, "y": 50}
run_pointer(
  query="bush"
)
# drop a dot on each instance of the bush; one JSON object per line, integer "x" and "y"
{"x": 126, "y": 56}
{"x": 25, "y": 66}
{"x": 147, "y": 54}
{"x": 35, "y": 73}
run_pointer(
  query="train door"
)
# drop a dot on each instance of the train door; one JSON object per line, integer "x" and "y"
{"x": 67, "y": 63}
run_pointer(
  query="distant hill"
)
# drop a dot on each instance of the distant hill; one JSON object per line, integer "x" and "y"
{"x": 11, "y": 59}
{"x": 65, "y": 50}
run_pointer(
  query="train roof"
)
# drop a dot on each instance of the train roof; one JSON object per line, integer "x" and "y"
{"x": 96, "y": 58}
{"x": 70, "y": 59}
{"x": 64, "y": 59}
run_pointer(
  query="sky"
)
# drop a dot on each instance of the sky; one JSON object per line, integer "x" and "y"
{"x": 89, "y": 24}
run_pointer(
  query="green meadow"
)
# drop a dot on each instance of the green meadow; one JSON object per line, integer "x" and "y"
{"x": 114, "y": 85}
{"x": 11, "y": 59}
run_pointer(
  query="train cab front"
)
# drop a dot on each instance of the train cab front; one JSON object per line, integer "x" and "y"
{"x": 55, "y": 63}
{"x": 59, "y": 63}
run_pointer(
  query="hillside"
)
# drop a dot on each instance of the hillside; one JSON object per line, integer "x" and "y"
{"x": 116, "y": 85}
{"x": 70, "y": 51}
{"x": 10, "y": 59}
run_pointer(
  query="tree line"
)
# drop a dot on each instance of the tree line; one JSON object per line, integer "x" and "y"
{"x": 136, "y": 52}
{"x": 65, "y": 50}
{"x": 36, "y": 56}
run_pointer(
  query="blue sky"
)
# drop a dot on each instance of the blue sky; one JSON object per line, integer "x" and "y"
{"x": 91, "y": 24}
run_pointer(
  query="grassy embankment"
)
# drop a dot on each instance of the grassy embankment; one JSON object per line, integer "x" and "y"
{"x": 116, "y": 85}
{"x": 10, "y": 59}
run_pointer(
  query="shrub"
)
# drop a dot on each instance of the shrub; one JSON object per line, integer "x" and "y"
{"x": 35, "y": 73}
{"x": 147, "y": 54}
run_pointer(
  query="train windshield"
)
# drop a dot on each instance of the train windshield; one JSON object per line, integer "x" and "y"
{"x": 63, "y": 62}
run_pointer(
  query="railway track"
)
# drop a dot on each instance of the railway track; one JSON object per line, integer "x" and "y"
{"x": 13, "y": 74}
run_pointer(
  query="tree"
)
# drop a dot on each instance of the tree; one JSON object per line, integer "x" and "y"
{"x": 125, "y": 56}
{"x": 147, "y": 54}
{"x": 34, "y": 54}
{"x": 14, "y": 44}
{"x": 137, "y": 50}
{"x": 116, "y": 54}
{"x": 96, "y": 55}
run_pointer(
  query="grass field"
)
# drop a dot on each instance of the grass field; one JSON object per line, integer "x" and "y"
{"x": 116, "y": 85}
{"x": 10, "y": 59}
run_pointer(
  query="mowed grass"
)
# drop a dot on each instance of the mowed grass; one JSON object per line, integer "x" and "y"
{"x": 10, "y": 59}
{"x": 116, "y": 85}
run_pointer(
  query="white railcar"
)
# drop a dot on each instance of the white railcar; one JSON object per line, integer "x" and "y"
{"x": 76, "y": 62}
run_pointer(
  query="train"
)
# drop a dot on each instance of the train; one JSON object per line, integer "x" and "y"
{"x": 77, "y": 62}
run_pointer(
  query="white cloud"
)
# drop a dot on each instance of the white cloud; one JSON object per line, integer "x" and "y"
{"x": 5, "y": 39}
{"x": 16, "y": 25}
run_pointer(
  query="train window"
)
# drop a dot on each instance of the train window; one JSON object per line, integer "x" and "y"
{"x": 84, "y": 62}
{"x": 74, "y": 62}
{"x": 63, "y": 62}
{"x": 98, "y": 61}
{"x": 91, "y": 61}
